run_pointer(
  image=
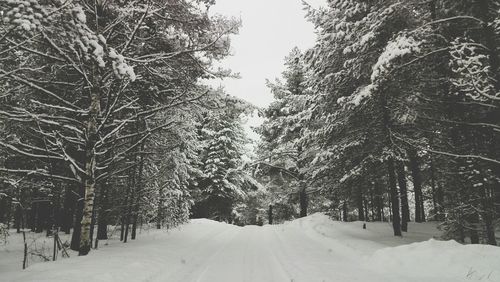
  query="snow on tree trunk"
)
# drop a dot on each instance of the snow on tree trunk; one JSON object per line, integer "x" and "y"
{"x": 90, "y": 167}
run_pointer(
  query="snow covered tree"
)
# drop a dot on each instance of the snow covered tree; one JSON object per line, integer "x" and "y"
{"x": 426, "y": 101}
{"x": 170, "y": 173}
{"x": 353, "y": 101}
{"x": 280, "y": 150}
{"x": 69, "y": 75}
{"x": 225, "y": 180}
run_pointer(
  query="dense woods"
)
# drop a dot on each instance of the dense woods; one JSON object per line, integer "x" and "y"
{"x": 394, "y": 115}
{"x": 101, "y": 108}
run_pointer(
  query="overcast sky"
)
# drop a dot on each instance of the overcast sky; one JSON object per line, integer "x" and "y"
{"x": 271, "y": 28}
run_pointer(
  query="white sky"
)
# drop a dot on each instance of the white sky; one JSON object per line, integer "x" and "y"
{"x": 271, "y": 28}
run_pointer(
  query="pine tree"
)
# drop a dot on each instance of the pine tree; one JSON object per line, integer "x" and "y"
{"x": 224, "y": 181}
{"x": 280, "y": 149}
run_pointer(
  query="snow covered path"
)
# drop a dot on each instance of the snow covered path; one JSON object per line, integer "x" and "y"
{"x": 309, "y": 249}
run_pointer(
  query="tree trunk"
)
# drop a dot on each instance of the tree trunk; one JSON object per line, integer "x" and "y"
{"x": 417, "y": 186}
{"x": 490, "y": 229}
{"x": 39, "y": 216}
{"x": 372, "y": 203}
{"x": 90, "y": 167}
{"x": 434, "y": 188}
{"x": 32, "y": 217}
{"x": 92, "y": 225}
{"x": 102, "y": 219}
{"x": 390, "y": 207}
{"x": 345, "y": 212}
{"x": 405, "y": 209}
{"x": 50, "y": 222}
{"x": 54, "y": 219}
{"x": 270, "y": 214}
{"x": 489, "y": 40}
{"x": 128, "y": 207}
{"x": 460, "y": 227}
{"x": 303, "y": 200}
{"x": 361, "y": 210}
{"x": 88, "y": 207}
{"x": 440, "y": 202}
{"x": 159, "y": 212}
{"x": 124, "y": 210}
{"x": 474, "y": 235}
{"x": 76, "y": 236}
{"x": 18, "y": 217}
{"x": 367, "y": 217}
{"x": 396, "y": 219}
{"x": 127, "y": 226}
{"x": 122, "y": 227}
{"x": 379, "y": 201}
{"x": 9, "y": 213}
{"x": 138, "y": 191}
{"x": 488, "y": 215}
{"x": 391, "y": 173}
{"x": 134, "y": 225}
{"x": 68, "y": 211}
{"x": 3, "y": 208}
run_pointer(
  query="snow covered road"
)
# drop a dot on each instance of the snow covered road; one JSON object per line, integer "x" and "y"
{"x": 309, "y": 249}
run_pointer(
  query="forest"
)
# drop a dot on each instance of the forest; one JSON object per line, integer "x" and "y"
{"x": 109, "y": 120}
{"x": 396, "y": 105}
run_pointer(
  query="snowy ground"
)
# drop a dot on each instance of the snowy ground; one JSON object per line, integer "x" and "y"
{"x": 310, "y": 249}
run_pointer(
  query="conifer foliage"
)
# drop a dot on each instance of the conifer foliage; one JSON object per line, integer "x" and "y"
{"x": 398, "y": 118}
{"x": 225, "y": 181}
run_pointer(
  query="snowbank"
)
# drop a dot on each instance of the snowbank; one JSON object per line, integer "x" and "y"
{"x": 417, "y": 256}
{"x": 448, "y": 260}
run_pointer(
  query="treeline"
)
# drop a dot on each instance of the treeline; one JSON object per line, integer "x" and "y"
{"x": 100, "y": 107}
{"x": 394, "y": 114}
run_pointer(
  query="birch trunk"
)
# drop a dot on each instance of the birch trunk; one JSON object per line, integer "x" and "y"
{"x": 90, "y": 167}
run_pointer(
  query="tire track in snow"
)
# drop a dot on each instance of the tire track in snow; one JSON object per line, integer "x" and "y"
{"x": 244, "y": 258}
{"x": 191, "y": 256}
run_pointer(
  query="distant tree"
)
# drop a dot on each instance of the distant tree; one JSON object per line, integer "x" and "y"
{"x": 225, "y": 181}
